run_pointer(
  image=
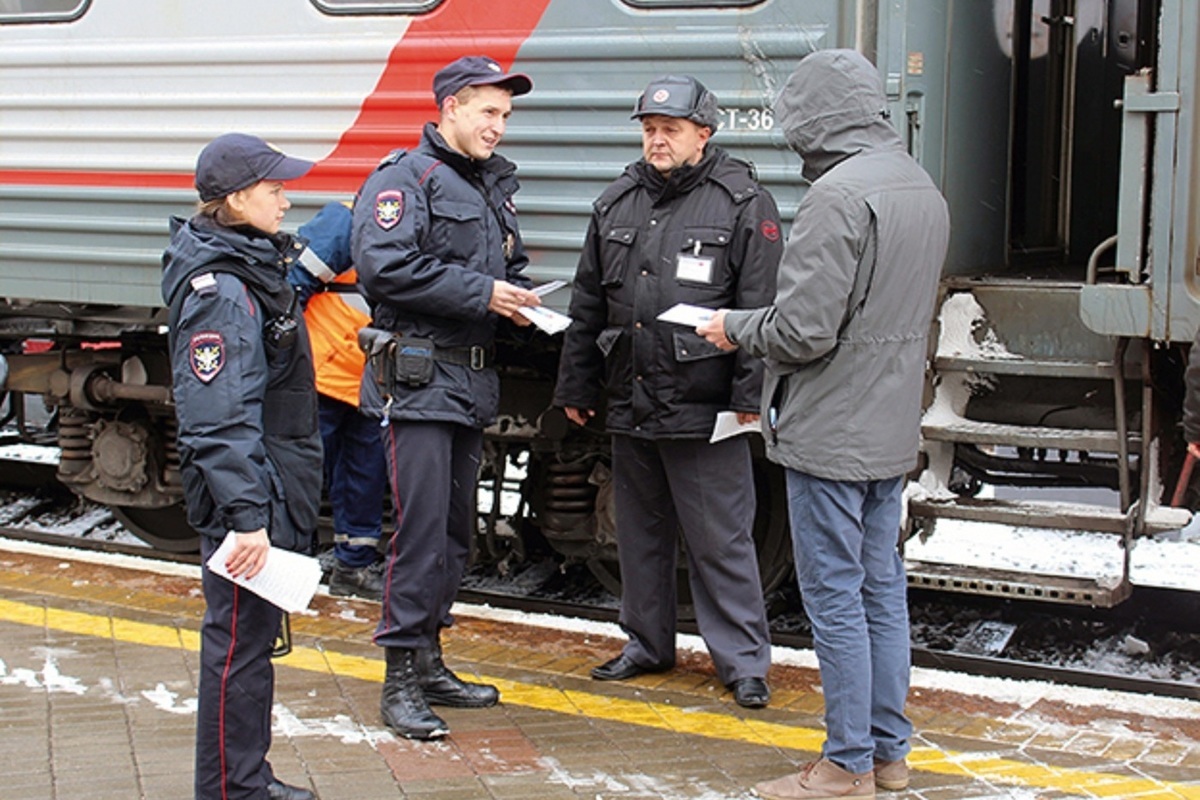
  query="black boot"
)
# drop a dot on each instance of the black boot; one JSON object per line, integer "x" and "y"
{"x": 443, "y": 688}
{"x": 403, "y": 704}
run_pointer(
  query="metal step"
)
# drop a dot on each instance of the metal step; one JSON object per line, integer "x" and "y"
{"x": 1100, "y": 593}
{"x": 1054, "y": 515}
{"x": 974, "y": 432}
{"x": 1026, "y": 513}
{"x": 1021, "y": 366}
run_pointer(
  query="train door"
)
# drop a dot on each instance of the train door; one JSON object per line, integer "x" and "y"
{"x": 1069, "y": 62}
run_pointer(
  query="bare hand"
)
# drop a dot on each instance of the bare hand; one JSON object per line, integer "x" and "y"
{"x": 507, "y": 298}
{"x": 714, "y": 331}
{"x": 249, "y": 553}
{"x": 745, "y": 417}
{"x": 579, "y": 416}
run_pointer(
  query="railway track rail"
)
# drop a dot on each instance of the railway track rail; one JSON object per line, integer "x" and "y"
{"x": 937, "y": 643}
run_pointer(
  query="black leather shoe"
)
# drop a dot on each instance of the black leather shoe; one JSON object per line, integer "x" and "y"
{"x": 278, "y": 790}
{"x": 622, "y": 668}
{"x": 751, "y": 692}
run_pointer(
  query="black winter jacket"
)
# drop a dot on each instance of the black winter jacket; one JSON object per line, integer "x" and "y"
{"x": 648, "y": 247}
{"x": 249, "y": 447}
{"x": 433, "y": 231}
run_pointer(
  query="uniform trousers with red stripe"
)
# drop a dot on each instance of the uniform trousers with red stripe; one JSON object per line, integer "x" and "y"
{"x": 433, "y": 467}
{"x": 237, "y": 688}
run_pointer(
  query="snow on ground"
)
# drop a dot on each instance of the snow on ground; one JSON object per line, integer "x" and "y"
{"x": 1154, "y": 562}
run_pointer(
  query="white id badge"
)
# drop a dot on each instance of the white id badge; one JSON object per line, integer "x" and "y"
{"x": 694, "y": 269}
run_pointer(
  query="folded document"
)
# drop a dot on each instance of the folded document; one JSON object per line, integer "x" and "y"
{"x": 288, "y": 580}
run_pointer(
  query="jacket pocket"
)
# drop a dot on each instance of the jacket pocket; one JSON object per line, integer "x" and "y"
{"x": 690, "y": 347}
{"x": 618, "y": 249}
{"x": 703, "y": 261}
{"x": 282, "y": 528}
{"x": 454, "y": 229}
{"x": 289, "y": 412}
{"x": 613, "y": 344}
{"x": 704, "y": 372}
{"x": 607, "y": 340}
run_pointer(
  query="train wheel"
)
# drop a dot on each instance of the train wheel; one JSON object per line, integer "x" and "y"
{"x": 163, "y": 528}
{"x": 772, "y": 542}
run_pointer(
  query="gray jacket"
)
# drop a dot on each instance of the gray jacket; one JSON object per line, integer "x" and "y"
{"x": 845, "y": 342}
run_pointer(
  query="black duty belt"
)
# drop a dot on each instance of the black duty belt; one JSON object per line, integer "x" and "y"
{"x": 476, "y": 357}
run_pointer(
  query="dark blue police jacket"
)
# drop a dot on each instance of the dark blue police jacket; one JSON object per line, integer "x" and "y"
{"x": 433, "y": 230}
{"x": 249, "y": 447}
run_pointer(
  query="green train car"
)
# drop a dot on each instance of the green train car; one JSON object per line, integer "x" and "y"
{"x": 1062, "y": 133}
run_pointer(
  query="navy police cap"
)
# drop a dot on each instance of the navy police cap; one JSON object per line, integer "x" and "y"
{"x": 233, "y": 161}
{"x": 476, "y": 71}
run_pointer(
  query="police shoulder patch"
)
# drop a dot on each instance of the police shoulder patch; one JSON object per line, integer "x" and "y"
{"x": 206, "y": 354}
{"x": 389, "y": 208}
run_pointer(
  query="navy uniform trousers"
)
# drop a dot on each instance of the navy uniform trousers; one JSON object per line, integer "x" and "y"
{"x": 433, "y": 467}
{"x": 707, "y": 490}
{"x": 237, "y": 684}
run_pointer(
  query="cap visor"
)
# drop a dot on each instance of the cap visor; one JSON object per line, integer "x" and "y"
{"x": 516, "y": 82}
{"x": 288, "y": 169}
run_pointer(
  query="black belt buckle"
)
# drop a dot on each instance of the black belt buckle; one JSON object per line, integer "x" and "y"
{"x": 478, "y": 357}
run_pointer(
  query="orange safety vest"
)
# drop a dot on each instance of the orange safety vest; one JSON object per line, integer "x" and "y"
{"x": 334, "y": 319}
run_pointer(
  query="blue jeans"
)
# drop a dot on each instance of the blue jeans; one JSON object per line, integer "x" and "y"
{"x": 356, "y": 476}
{"x": 845, "y": 535}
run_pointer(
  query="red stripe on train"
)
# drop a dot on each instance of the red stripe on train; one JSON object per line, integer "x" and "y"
{"x": 390, "y": 117}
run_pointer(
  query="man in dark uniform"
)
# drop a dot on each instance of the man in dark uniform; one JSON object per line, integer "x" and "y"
{"x": 439, "y": 255}
{"x": 685, "y": 224}
{"x": 249, "y": 451}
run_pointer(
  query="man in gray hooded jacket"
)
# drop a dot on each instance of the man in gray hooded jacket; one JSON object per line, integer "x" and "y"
{"x": 845, "y": 346}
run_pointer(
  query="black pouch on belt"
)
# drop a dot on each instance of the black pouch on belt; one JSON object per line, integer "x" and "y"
{"x": 379, "y": 347}
{"x": 414, "y": 360}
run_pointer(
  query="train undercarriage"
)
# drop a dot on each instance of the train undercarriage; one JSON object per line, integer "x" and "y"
{"x": 1012, "y": 406}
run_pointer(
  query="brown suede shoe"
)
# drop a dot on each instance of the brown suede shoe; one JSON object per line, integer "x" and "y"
{"x": 892, "y": 775}
{"x": 818, "y": 780}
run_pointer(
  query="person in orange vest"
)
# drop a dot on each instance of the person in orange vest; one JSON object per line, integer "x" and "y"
{"x": 354, "y": 464}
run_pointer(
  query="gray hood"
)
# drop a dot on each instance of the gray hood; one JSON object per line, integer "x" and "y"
{"x": 832, "y": 107}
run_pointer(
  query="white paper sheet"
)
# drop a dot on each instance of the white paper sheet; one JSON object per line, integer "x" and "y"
{"x": 684, "y": 314}
{"x": 548, "y": 287}
{"x": 288, "y": 580}
{"x": 727, "y": 425}
{"x": 547, "y": 319}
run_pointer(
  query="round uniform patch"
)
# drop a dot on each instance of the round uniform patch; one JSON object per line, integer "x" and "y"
{"x": 661, "y": 96}
{"x": 389, "y": 208}
{"x": 770, "y": 230}
{"x": 206, "y": 353}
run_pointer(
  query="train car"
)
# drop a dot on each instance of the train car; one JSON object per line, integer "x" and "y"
{"x": 1062, "y": 133}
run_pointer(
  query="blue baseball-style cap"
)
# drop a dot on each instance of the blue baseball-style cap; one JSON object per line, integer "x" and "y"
{"x": 234, "y": 161}
{"x": 476, "y": 71}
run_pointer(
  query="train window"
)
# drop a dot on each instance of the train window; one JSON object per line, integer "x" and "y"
{"x": 375, "y": 6}
{"x": 41, "y": 10}
{"x": 690, "y": 3}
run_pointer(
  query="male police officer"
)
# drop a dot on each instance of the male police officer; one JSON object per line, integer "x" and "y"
{"x": 685, "y": 224}
{"x": 438, "y": 251}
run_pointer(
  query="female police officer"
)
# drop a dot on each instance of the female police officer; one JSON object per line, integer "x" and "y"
{"x": 250, "y": 452}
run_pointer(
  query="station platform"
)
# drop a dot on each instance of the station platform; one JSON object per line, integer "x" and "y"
{"x": 98, "y": 662}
